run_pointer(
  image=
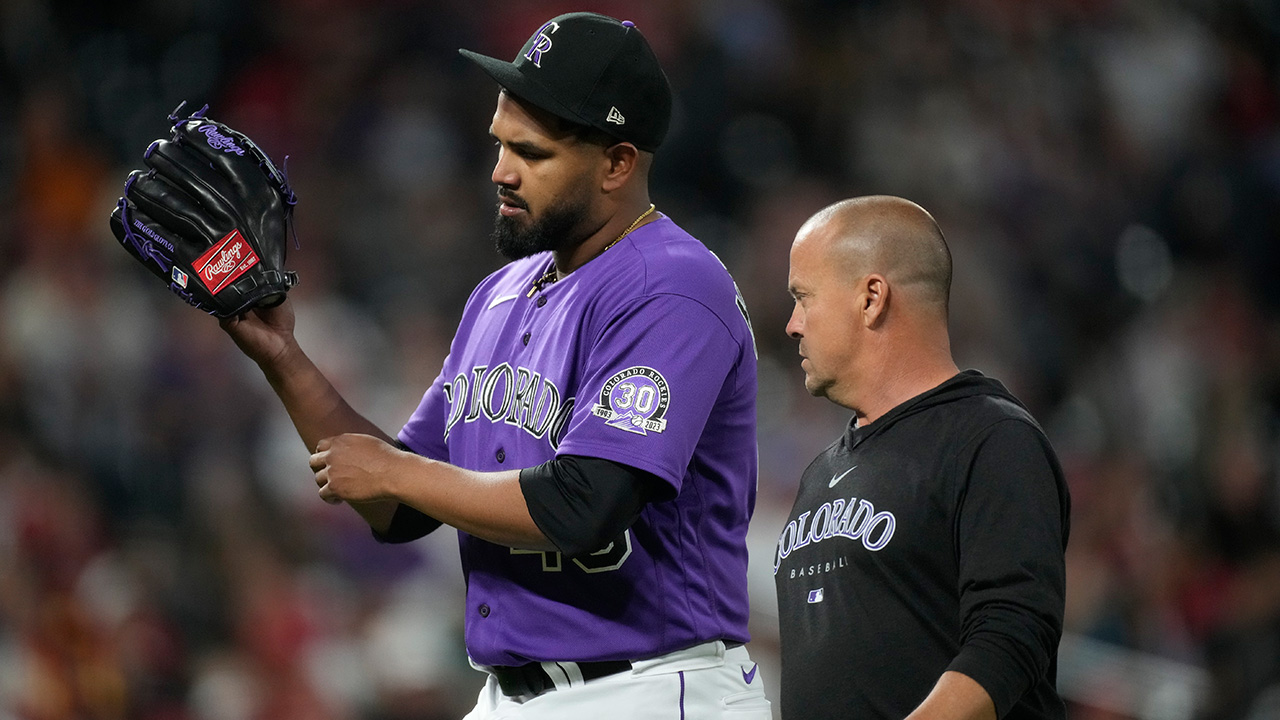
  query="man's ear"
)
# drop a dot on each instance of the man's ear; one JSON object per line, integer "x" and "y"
{"x": 621, "y": 160}
{"x": 875, "y": 300}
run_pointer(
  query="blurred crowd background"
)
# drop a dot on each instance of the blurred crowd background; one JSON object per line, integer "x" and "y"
{"x": 1107, "y": 173}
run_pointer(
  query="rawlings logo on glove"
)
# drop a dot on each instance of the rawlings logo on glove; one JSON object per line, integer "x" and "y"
{"x": 222, "y": 263}
{"x": 220, "y": 141}
{"x": 211, "y": 205}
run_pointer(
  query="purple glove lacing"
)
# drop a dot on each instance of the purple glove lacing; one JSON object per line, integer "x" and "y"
{"x": 189, "y": 297}
{"x": 290, "y": 199}
{"x": 175, "y": 116}
{"x": 141, "y": 244}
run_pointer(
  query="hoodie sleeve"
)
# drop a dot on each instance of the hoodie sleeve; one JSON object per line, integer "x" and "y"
{"x": 1011, "y": 531}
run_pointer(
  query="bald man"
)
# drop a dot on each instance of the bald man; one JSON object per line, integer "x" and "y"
{"x": 921, "y": 573}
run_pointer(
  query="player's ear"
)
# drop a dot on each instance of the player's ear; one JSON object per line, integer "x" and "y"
{"x": 621, "y": 161}
{"x": 874, "y": 300}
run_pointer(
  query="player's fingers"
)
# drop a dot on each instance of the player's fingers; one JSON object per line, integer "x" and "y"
{"x": 328, "y": 495}
{"x": 319, "y": 461}
{"x": 185, "y": 168}
{"x": 170, "y": 206}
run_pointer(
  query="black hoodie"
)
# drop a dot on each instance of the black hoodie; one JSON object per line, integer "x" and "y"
{"x": 930, "y": 540}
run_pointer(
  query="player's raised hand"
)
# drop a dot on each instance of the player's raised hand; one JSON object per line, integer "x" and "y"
{"x": 264, "y": 334}
{"x": 354, "y": 468}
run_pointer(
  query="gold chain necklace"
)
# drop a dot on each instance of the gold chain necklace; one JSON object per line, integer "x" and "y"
{"x": 550, "y": 276}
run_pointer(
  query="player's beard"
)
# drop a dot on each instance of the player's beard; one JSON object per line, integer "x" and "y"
{"x": 556, "y": 228}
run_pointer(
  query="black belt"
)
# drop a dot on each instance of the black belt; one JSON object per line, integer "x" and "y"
{"x": 531, "y": 679}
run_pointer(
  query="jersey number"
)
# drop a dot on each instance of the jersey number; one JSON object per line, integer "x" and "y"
{"x": 609, "y": 557}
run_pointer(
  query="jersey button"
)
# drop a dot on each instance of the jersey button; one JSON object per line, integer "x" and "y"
{"x": 484, "y": 611}
{"x": 526, "y": 337}
{"x": 542, "y": 300}
{"x": 501, "y": 455}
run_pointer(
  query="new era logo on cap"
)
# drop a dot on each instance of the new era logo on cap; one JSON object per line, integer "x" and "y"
{"x": 615, "y": 117}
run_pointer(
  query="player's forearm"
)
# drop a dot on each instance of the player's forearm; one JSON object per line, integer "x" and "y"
{"x": 956, "y": 697}
{"x": 316, "y": 408}
{"x": 318, "y": 411}
{"x": 490, "y": 506}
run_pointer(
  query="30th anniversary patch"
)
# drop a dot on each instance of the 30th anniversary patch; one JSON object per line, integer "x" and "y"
{"x": 635, "y": 400}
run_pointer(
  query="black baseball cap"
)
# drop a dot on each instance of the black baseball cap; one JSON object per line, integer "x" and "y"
{"x": 592, "y": 70}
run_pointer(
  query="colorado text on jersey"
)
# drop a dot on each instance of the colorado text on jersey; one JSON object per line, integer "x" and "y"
{"x": 519, "y": 397}
{"x": 852, "y": 519}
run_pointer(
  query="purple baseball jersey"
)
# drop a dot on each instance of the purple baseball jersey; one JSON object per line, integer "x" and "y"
{"x": 644, "y": 356}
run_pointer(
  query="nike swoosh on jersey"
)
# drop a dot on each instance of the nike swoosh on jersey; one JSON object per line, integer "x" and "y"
{"x": 499, "y": 300}
{"x": 747, "y": 677}
{"x": 837, "y": 478}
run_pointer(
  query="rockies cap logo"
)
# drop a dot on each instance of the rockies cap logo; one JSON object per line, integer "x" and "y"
{"x": 542, "y": 44}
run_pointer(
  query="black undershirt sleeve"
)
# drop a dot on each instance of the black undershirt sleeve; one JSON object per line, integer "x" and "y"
{"x": 583, "y": 503}
{"x": 407, "y": 524}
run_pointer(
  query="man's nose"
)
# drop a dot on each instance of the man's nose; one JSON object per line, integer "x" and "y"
{"x": 795, "y": 326}
{"x": 503, "y": 173}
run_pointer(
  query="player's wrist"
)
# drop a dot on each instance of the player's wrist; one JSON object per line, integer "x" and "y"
{"x": 288, "y": 356}
{"x": 289, "y": 370}
{"x": 404, "y": 469}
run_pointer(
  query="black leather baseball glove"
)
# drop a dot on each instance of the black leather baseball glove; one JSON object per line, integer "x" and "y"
{"x": 209, "y": 217}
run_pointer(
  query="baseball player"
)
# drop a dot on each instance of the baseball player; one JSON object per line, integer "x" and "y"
{"x": 592, "y": 433}
{"x": 921, "y": 573}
